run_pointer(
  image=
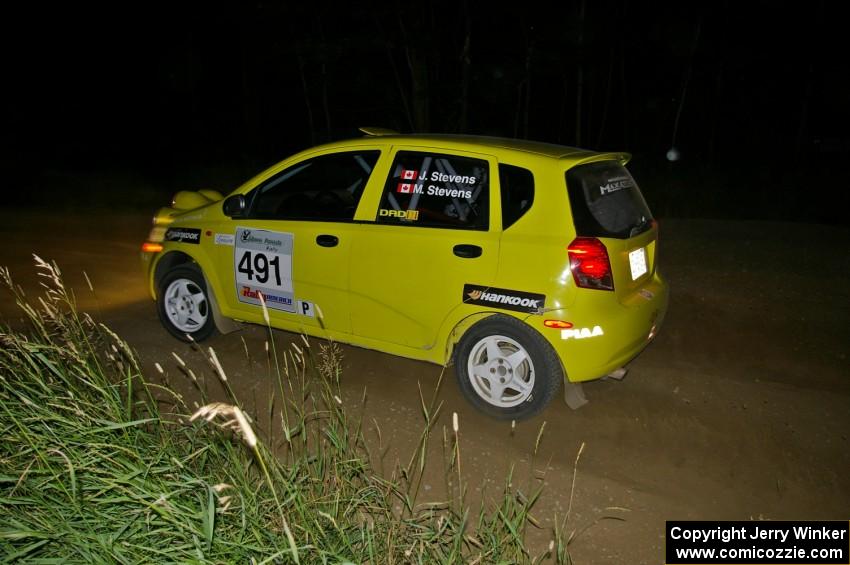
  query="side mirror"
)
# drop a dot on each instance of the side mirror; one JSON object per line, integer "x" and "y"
{"x": 234, "y": 206}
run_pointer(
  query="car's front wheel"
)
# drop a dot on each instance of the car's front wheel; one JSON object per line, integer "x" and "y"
{"x": 506, "y": 369}
{"x": 183, "y": 304}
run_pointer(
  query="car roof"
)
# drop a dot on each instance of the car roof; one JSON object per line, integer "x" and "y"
{"x": 481, "y": 142}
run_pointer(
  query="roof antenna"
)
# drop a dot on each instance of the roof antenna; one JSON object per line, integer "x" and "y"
{"x": 373, "y": 131}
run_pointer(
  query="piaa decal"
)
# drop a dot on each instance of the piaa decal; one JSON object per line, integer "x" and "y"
{"x": 582, "y": 333}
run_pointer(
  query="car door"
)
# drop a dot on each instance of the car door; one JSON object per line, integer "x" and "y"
{"x": 432, "y": 234}
{"x": 292, "y": 247}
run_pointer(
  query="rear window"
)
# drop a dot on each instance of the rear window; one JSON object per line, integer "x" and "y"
{"x": 606, "y": 201}
{"x": 517, "y": 186}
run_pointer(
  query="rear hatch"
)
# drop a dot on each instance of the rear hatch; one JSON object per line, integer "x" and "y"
{"x": 607, "y": 206}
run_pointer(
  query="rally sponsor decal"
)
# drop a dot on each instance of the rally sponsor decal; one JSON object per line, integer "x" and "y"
{"x": 615, "y": 185}
{"x": 272, "y": 300}
{"x": 411, "y": 215}
{"x": 224, "y": 238}
{"x": 262, "y": 262}
{"x": 183, "y": 235}
{"x": 582, "y": 333}
{"x": 506, "y": 299}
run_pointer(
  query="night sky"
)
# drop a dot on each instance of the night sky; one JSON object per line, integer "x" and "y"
{"x": 148, "y": 98}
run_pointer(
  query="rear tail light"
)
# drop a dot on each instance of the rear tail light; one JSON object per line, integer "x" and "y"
{"x": 589, "y": 264}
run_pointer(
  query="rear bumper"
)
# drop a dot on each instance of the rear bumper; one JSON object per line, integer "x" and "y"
{"x": 606, "y": 334}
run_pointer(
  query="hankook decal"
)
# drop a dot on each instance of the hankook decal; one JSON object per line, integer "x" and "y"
{"x": 515, "y": 300}
{"x": 183, "y": 235}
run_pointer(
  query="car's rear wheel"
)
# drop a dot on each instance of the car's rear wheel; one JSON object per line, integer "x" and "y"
{"x": 506, "y": 369}
{"x": 183, "y": 304}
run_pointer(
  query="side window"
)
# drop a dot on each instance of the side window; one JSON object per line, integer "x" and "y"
{"x": 517, "y": 185}
{"x": 434, "y": 190}
{"x": 323, "y": 188}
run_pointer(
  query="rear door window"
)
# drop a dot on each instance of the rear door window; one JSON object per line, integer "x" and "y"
{"x": 436, "y": 190}
{"x": 517, "y": 192}
{"x": 606, "y": 201}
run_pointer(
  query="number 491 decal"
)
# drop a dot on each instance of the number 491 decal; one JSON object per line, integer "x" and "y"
{"x": 262, "y": 262}
{"x": 259, "y": 268}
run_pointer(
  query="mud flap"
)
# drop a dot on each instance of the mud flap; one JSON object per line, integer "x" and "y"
{"x": 617, "y": 375}
{"x": 223, "y": 324}
{"x": 574, "y": 395}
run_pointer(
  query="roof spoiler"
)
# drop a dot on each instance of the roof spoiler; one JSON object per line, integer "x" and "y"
{"x": 372, "y": 131}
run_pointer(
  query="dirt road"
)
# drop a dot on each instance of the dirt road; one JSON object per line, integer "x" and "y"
{"x": 739, "y": 410}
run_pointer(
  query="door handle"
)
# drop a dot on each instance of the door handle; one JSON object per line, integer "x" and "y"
{"x": 327, "y": 240}
{"x": 467, "y": 251}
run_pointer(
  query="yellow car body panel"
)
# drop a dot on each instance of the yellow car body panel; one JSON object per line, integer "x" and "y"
{"x": 404, "y": 280}
{"x": 402, "y": 288}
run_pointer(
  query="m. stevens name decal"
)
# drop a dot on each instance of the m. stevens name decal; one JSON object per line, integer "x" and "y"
{"x": 515, "y": 300}
{"x": 183, "y": 235}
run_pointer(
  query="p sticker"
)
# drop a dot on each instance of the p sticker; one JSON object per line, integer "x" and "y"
{"x": 306, "y": 308}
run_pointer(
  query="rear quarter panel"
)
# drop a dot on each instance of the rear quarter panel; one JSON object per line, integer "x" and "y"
{"x": 533, "y": 252}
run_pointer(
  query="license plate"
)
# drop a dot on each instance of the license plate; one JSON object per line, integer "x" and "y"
{"x": 637, "y": 262}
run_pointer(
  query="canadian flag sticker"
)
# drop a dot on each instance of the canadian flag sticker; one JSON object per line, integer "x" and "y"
{"x": 408, "y": 174}
{"x": 404, "y": 188}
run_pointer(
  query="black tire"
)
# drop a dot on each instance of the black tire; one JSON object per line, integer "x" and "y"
{"x": 524, "y": 364}
{"x": 183, "y": 304}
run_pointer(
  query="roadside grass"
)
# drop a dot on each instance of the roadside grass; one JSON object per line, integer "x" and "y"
{"x": 99, "y": 464}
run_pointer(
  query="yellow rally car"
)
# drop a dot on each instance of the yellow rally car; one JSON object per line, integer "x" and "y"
{"x": 526, "y": 264}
